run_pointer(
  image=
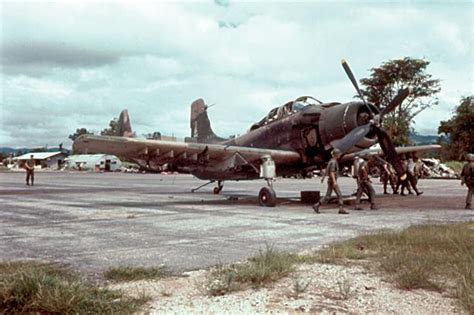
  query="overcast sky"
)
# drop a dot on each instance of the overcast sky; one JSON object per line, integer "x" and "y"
{"x": 70, "y": 64}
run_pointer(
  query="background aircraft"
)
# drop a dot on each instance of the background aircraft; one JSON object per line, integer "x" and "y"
{"x": 294, "y": 138}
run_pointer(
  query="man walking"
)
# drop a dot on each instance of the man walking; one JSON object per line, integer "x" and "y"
{"x": 30, "y": 170}
{"x": 365, "y": 185}
{"x": 467, "y": 177}
{"x": 387, "y": 175}
{"x": 331, "y": 171}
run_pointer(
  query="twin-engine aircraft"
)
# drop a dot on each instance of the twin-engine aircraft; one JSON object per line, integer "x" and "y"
{"x": 294, "y": 138}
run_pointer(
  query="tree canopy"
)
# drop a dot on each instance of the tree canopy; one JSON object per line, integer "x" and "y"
{"x": 459, "y": 130}
{"x": 112, "y": 130}
{"x": 79, "y": 131}
{"x": 385, "y": 82}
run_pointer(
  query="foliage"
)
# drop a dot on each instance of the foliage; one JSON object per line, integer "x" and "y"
{"x": 153, "y": 136}
{"x": 459, "y": 129}
{"x": 32, "y": 288}
{"x": 113, "y": 129}
{"x": 127, "y": 273}
{"x": 79, "y": 132}
{"x": 268, "y": 266}
{"x": 431, "y": 256}
{"x": 385, "y": 82}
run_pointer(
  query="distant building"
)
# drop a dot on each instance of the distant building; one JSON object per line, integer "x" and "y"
{"x": 93, "y": 162}
{"x": 53, "y": 160}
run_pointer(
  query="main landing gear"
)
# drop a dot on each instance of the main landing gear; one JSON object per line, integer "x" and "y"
{"x": 267, "y": 196}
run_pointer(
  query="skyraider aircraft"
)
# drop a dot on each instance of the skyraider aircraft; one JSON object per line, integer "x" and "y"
{"x": 294, "y": 138}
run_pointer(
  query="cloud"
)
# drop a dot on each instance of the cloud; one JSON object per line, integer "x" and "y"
{"x": 222, "y": 3}
{"x": 73, "y": 64}
{"x": 37, "y": 57}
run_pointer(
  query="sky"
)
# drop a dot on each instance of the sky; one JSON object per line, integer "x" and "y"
{"x": 71, "y": 64}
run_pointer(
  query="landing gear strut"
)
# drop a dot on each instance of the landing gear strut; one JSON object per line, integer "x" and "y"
{"x": 267, "y": 196}
{"x": 197, "y": 188}
{"x": 220, "y": 185}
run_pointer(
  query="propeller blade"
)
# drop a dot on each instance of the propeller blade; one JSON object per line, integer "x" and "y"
{"x": 397, "y": 100}
{"x": 389, "y": 151}
{"x": 352, "y": 138}
{"x": 349, "y": 73}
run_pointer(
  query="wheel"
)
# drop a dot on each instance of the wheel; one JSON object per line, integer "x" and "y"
{"x": 267, "y": 197}
{"x": 217, "y": 190}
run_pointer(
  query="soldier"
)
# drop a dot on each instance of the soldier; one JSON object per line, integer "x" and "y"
{"x": 405, "y": 182}
{"x": 365, "y": 184}
{"x": 30, "y": 170}
{"x": 355, "y": 169}
{"x": 411, "y": 176}
{"x": 387, "y": 174}
{"x": 331, "y": 171}
{"x": 467, "y": 177}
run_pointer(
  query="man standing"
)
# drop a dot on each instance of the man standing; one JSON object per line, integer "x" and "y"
{"x": 331, "y": 171}
{"x": 467, "y": 177}
{"x": 365, "y": 184}
{"x": 30, "y": 170}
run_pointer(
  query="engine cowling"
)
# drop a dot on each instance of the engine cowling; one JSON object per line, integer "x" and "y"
{"x": 336, "y": 121}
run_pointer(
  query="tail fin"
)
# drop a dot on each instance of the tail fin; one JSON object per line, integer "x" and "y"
{"x": 200, "y": 124}
{"x": 124, "y": 128}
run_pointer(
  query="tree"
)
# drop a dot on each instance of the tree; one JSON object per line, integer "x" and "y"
{"x": 385, "y": 82}
{"x": 79, "y": 131}
{"x": 459, "y": 131}
{"x": 153, "y": 136}
{"x": 113, "y": 129}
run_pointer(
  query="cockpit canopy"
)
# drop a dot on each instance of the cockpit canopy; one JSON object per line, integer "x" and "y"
{"x": 286, "y": 110}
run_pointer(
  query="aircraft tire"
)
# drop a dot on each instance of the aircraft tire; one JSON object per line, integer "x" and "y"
{"x": 267, "y": 197}
{"x": 217, "y": 190}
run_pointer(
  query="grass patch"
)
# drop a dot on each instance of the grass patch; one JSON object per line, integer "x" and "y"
{"x": 432, "y": 256}
{"x": 28, "y": 287}
{"x": 127, "y": 273}
{"x": 268, "y": 266}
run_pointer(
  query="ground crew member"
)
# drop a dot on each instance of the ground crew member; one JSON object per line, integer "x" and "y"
{"x": 405, "y": 183}
{"x": 355, "y": 169}
{"x": 388, "y": 175}
{"x": 365, "y": 185}
{"x": 411, "y": 176}
{"x": 331, "y": 171}
{"x": 30, "y": 170}
{"x": 467, "y": 177}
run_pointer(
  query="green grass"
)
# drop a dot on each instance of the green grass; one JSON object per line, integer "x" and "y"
{"x": 127, "y": 273}
{"x": 431, "y": 256}
{"x": 28, "y": 287}
{"x": 268, "y": 266}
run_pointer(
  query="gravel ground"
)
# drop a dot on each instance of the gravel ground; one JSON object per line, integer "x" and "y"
{"x": 331, "y": 289}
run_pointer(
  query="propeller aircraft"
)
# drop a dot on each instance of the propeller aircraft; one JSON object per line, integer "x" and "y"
{"x": 294, "y": 138}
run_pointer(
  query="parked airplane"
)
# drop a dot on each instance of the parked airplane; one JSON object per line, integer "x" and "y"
{"x": 294, "y": 138}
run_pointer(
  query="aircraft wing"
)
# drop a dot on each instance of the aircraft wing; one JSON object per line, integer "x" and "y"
{"x": 169, "y": 151}
{"x": 400, "y": 150}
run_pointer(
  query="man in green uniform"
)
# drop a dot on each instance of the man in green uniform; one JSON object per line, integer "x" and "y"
{"x": 365, "y": 185}
{"x": 30, "y": 170}
{"x": 467, "y": 177}
{"x": 331, "y": 171}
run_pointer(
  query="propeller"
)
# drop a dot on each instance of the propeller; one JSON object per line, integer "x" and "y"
{"x": 397, "y": 100}
{"x": 351, "y": 76}
{"x": 358, "y": 133}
